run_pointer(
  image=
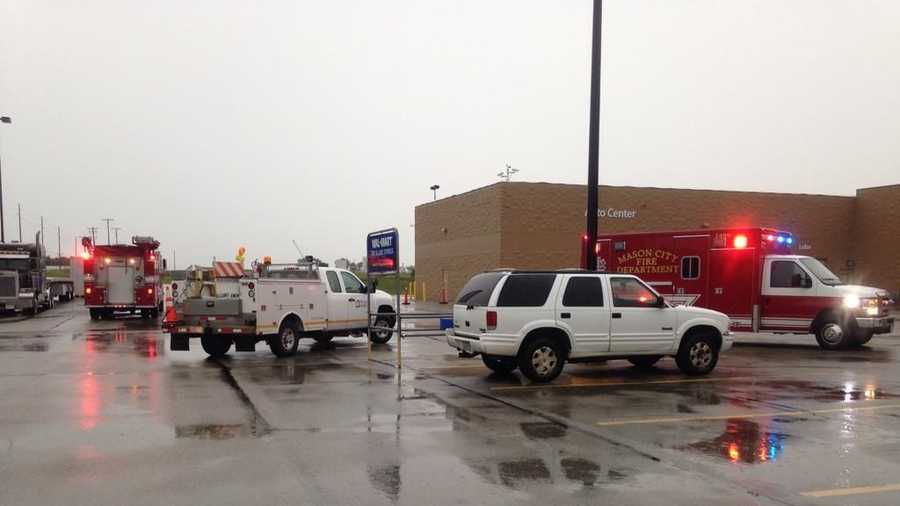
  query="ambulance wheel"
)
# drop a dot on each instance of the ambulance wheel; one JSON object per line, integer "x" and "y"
{"x": 285, "y": 343}
{"x": 831, "y": 334}
{"x": 500, "y": 365}
{"x": 215, "y": 346}
{"x": 95, "y": 314}
{"x": 861, "y": 338}
{"x": 698, "y": 354}
{"x": 383, "y": 333}
{"x": 644, "y": 361}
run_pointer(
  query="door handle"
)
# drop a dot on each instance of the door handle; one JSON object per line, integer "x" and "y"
{"x": 617, "y": 315}
{"x": 565, "y": 315}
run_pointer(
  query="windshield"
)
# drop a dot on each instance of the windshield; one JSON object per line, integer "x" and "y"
{"x": 820, "y": 271}
{"x": 16, "y": 264}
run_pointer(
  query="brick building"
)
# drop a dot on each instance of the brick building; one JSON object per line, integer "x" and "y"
{"x": 539, "y": 226}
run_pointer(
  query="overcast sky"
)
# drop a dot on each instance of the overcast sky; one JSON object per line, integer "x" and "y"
{"x": 213, "y": 124}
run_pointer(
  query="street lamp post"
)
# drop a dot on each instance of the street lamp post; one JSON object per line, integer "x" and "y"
{"x": 7, "y": 120}
{"x": 594, "y": 142}
{"x": 434, "y": 188}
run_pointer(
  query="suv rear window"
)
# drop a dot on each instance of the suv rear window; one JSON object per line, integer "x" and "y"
{"x": 526, "y": 290}
{"x": 478, "y": 290}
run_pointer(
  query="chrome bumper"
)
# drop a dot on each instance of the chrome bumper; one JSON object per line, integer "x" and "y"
{"x": 881, "y": 325}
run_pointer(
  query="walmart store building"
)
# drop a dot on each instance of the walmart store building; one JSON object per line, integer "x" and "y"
{"x": 539, "y": 226}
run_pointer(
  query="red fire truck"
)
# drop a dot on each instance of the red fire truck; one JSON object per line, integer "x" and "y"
{"x": 123, "y": 278}
{"x": 751, "y": 275}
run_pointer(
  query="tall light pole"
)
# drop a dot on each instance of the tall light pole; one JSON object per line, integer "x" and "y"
{"x": 434, "y": 188}
{"x": 7, "y": 120}
{"x": 594, "y": 141}
{"x": 107, "y": 220}
{"x": 507, "y": 174}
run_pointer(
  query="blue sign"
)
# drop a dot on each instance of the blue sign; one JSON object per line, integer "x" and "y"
{"x": 383, "y": 252}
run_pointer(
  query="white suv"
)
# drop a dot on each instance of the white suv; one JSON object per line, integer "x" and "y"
{"x": 538, "y": 320}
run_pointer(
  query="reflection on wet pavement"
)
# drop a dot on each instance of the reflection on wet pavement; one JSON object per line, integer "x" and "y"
{"x": 744, "y": 441}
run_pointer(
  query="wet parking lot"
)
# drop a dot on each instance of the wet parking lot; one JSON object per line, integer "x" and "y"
{"x": 103, "y": 413}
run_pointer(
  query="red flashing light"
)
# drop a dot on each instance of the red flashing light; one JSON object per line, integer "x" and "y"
{"x": 88, "y": 290}
{"x": 770, "y": 237}
{"x": 491, "y": 320}
{"x": 740, "y": 241}
{"x": 149, "y": 291}
{"x": 86, "y": 255}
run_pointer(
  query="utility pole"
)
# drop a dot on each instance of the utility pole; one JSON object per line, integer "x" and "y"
{"x": 107, "y": 220}
{"x": 116, "y": 229}
{"x": 7, "y": 120}
{"x": 594, "y": 142}
{"x": 93, "y": 231}
{"x": 58, "y": 241}
{"x": 20, "y": 222}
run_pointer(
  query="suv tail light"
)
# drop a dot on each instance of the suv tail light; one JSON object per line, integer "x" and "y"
{"x": 491, "y": 320}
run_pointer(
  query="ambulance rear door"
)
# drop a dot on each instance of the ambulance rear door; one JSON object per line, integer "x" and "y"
{"x": 690, "y": 282}
{"x": 732, "y": 289}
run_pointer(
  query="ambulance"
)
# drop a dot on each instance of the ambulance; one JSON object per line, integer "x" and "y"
{"x": 123, "y": 278}
{"x": 753, "y": 276}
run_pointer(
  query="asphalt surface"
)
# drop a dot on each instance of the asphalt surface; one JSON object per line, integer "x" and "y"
{"x": 99, "y": 413}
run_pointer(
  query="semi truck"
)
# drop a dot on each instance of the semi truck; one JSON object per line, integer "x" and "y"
{"x": 23, "y": 280}
{"x": 277, "y": 304}
{"x": 123, "y": 278}
{"x": 752, "y": 275}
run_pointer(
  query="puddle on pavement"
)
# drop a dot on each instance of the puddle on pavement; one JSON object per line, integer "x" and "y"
{"x": 216, "y": 432}
{"x": 32, "y": 346}
{"x": 518, "y": 472}
{"x": 581, "y": 470}
{"x": 386, "y": 479}
{"x": 744, "y": 441}
{"x": 543, "y": 430}
{"x": 848, "y": 392}
{"x": 146, "y": 346}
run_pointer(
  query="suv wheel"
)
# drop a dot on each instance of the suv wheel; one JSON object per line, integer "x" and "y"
{"x": 698, "y": 354}
{"x": 500, "y": 365}
{"x": 285, "y": 343}
{"x": 542, "y": 359}
{"x": 644, "y": 361}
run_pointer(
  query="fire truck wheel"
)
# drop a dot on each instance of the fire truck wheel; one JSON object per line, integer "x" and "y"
{"x": 95, "y": 314}
{"x": 285, "y": 343}
{"x": 698, "y": 353}
{"x": 644, "y": 361}
{"x": 832, "y": 335}
{"x": 215, "y": 346}
{"x": 384, "y": 333}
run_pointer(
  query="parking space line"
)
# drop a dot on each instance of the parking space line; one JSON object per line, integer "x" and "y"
{"x": 769, "y": 414}
{"x": 840, "y": 492}
{"x": 617, "y": 383}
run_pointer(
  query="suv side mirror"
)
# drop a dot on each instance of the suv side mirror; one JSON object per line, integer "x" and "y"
{"x": 660, "y": 302}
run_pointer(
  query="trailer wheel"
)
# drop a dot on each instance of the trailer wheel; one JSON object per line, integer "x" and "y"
{"x": 215, "y": 346}
{"x": 285, "y": 343}
{"x": 832, "y": 334}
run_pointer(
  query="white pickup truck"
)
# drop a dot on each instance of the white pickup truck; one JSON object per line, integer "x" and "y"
{"x": 537, "y": 320}
{"x": 279, "y": 305}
